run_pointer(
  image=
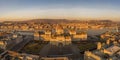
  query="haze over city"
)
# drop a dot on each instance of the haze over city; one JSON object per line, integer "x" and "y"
{"x": 59, "y": 30}
{"x": 62, "y": 9}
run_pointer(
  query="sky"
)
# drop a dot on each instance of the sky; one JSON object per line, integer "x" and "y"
{"x": 59, "y": 9}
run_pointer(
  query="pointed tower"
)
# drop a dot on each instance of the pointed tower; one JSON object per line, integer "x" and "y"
{"x": 99, "y": 45}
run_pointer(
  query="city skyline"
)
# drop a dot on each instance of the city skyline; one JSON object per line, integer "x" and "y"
{"x": 63, "y": 9}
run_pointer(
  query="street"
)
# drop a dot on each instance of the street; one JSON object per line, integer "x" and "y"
{"x": 20, "y": 45}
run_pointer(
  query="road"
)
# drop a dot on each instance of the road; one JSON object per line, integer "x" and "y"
{"x": 70, "y": 51}
{"x": 44, "y": 51}
{"x": 20, "y": 45}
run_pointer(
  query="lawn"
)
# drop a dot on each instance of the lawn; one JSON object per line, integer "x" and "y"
{"x": 86, "y": 46}
{"x": 33, "y": 47}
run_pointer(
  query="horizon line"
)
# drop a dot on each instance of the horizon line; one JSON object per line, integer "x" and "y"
{"x": 14, "y": 20}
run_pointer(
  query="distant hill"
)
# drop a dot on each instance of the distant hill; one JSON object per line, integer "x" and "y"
{"x": 52, "y": 20}
{"x": 57, "y": 21}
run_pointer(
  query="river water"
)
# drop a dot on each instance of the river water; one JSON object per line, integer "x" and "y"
{"x": 99, "y": 31}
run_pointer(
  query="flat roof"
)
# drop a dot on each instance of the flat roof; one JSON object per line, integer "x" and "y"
{"x": 113, "y": 49}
